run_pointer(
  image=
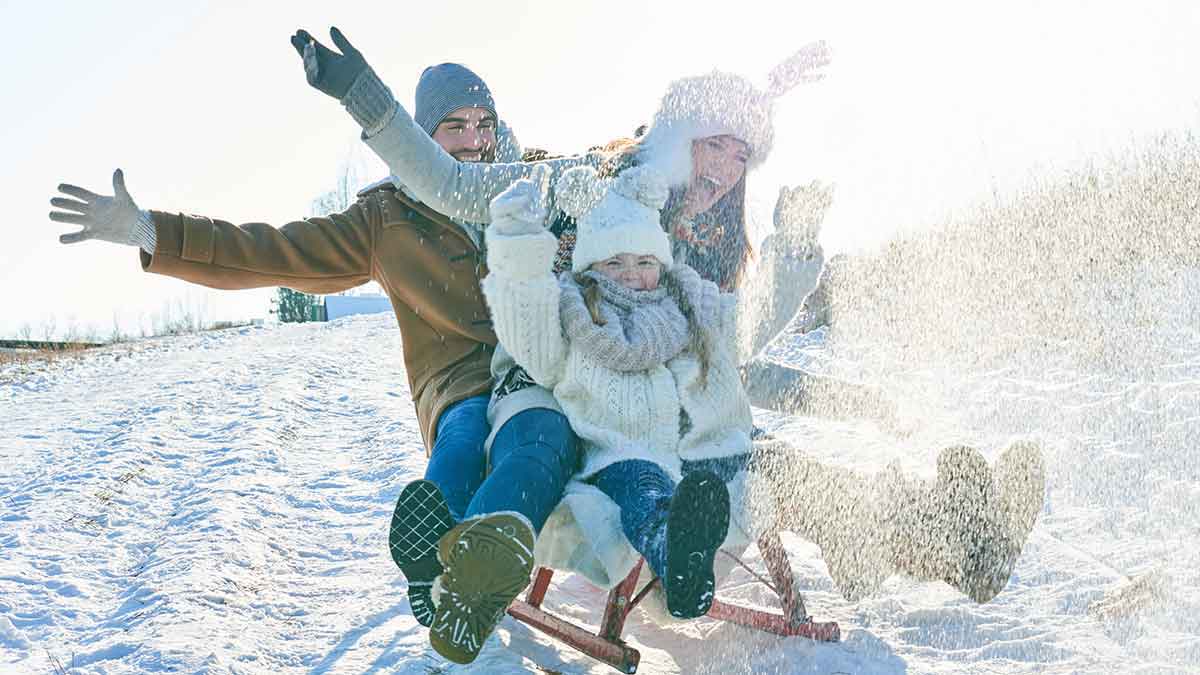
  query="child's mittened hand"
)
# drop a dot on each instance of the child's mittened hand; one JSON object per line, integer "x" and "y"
{"x": 521, "y": 208}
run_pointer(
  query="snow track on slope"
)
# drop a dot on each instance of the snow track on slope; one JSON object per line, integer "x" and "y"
{"x": 218, "y": 503}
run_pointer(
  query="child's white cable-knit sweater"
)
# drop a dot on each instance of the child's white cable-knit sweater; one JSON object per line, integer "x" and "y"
{"x": 620, "y": 414}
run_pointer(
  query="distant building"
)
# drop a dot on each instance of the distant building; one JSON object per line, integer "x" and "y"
{"x": 337, "y": 306}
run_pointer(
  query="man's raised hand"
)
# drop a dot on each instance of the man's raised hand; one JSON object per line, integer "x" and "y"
{"x": 111, "y": 219}
{"x": 325, "y": 69}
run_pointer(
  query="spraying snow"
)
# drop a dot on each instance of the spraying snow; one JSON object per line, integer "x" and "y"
{"x": 219, "y": 502}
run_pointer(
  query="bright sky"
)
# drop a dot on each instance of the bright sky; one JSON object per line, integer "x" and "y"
{"x": 927, "y": 108}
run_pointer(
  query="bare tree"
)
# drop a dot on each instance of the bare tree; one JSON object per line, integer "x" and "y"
{"x": 72, "y": 333}
{"x": 350, "y": 179}
{"x": 116, "y": 335}
{"x": 353, "y": 175}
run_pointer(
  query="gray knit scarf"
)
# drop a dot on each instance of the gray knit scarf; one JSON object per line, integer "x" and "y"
{"x": 643, "y": 329}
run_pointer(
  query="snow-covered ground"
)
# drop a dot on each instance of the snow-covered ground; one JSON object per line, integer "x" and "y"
{"x": 219, "y": 503}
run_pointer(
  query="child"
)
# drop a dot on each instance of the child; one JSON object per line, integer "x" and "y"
{"x": 640, "y": 356}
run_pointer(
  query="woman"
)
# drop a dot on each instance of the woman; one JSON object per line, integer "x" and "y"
{"x": 710, "y": 132}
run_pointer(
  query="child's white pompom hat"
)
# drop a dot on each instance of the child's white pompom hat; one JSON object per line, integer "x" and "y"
{"x": 615, "y": 216}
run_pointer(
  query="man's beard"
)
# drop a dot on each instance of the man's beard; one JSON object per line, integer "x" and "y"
{"x": 487, "y": 155}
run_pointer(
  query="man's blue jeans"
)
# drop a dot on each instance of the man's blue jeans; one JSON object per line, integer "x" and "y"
{"x": 533, "y": 456}
{"x": 458, "y": 462}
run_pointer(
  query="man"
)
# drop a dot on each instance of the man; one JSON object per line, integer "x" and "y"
{"x": 532, "y": 452}
{"x": 429, "y": 265}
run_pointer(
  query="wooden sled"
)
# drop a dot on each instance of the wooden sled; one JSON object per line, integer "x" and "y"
{"x": 607, "y": 646}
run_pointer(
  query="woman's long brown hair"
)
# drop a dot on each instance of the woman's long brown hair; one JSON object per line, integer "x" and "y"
{"x": 696, "y": 342}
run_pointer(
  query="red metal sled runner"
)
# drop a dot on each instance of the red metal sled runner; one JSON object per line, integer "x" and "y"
{"x": 607, "y": 645}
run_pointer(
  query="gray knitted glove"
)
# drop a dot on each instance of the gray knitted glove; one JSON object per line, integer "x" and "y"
{"x": 798, "y": 215}
{"x": 115, "y": 219}
{"x": 346, "y": 77}
{"x": 521, "y": 208}
{"x": 799, "y": 68}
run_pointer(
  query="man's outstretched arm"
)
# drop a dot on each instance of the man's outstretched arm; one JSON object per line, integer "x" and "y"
{"x": 315, "y": 255}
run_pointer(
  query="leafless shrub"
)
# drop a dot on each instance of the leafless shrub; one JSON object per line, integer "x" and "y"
{"x": 222, "y": 325}
{"x": 48, "y": 328}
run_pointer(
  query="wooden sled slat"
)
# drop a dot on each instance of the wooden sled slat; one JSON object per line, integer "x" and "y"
{"x": 606, "y": 644}
{"x": 775, "y": 558}
{"x": 620, "y": 603}
{"x": 774, "y": 623}
{"x": 537, "y": 591}
{"x": 613, "y": 652}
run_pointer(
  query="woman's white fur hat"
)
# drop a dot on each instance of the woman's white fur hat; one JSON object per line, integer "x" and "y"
{"x": 719, "y": 104}
{"x": 615, "y": 216}
{"x": 708, "y": 105}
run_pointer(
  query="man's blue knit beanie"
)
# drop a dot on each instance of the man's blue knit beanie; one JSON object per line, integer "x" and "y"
{"x": 445, "y": 88}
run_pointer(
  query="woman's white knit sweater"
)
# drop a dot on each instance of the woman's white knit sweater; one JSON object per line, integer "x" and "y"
{"x": 619, "y": 414}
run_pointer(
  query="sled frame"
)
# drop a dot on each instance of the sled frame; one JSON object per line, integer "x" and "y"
{"x": 607, "y": 646}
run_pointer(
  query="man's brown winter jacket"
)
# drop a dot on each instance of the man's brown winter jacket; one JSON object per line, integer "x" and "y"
{"x": 426, "y": 264}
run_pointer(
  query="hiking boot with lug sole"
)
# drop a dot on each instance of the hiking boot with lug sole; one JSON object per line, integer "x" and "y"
{"x": 419, "y": 522}
{"x": 697, "y": 523}
{"x": 488, "y": 561}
